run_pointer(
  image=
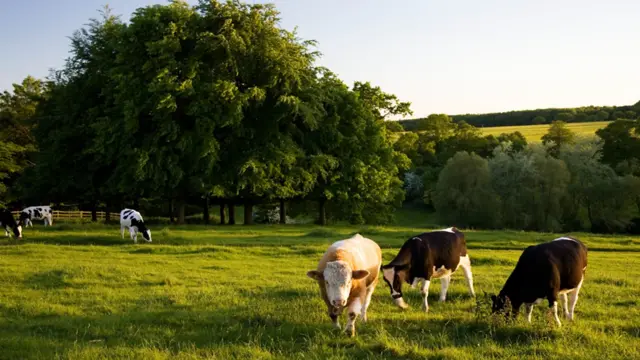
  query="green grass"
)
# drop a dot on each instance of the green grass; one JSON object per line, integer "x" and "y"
{"x": 226, "y": 292}
{"x": 534, "y": 133}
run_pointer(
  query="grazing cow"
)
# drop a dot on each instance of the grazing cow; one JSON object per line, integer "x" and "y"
{"x": 347, "y": 275}
{"x": 545, "y": 271}
{"x": 133, "y": 220}
{"x": 431, "y": 255}
{"x": 7, "y": 222}
{"x": 36, "y": 213}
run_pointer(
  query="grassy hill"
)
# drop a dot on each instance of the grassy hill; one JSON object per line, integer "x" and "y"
{"x": 534, "y": 133}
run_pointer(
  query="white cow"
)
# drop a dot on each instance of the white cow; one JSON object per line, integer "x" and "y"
{"x": 132, "y": 219}
{"x": 36, "y": 213}
{"x": 347, "y": 275}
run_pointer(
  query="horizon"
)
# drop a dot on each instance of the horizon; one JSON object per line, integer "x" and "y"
{"x": 455, "y": 58}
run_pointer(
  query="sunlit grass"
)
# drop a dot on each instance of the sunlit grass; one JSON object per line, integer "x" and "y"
{"x": 227, "y": 292}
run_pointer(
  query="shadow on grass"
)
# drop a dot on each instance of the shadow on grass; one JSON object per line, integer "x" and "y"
{"x": 54, "y": 279}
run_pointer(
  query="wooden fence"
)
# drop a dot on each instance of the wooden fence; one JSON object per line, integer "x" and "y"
{"x": 68, "y": 215}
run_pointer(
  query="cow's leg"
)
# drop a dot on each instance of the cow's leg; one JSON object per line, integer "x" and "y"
{"x": 122, "y": 231}
{"x": 529, "y": 309}
{"x": 574, "y": 300}
{"x": 367, "y": 300}
{"x": 134, "y": 235}
{"x": 465, "y": 264}
{"x": 50, "y": 219}
{"x": 553, "y": 304}
{"x": 444, "y": 286}
{"x": 6, "y": 232}
{"x": 425, "y": 292}
{"x": 565, "y": 306}
{"x": 354, "y": 309}
{"x": 45, "y": 220}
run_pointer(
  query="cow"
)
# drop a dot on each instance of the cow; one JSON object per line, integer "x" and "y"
{"x": 430, "y": 255}
{"x": 347, "y": 275}
{"x": 36, "y": 213}
{"x": 132, "y": 219}
{"x": 7, "y": 222}
{"x": 545, "y": 271}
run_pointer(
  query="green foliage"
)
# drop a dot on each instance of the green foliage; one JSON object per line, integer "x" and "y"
{"x": 532, "y": 117}
{"x": 393, "y": 126}
{"x": 463, "y": 194}
{"x": 557, "y": 137}
{"x": 620, "y": 142}
{"x": 538, "y": 120}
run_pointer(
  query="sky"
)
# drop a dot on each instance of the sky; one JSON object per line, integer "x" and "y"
{"x": 444, "y": 56}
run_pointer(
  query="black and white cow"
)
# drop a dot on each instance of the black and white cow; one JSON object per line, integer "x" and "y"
{"x": 7, "y": 222}
{"x": 435, "y": 254}
{"x": 545, "y": 271}
{"x": 132, "y": 219}
{"x": 36, "y": 213}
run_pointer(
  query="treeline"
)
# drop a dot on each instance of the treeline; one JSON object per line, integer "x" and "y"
{"x": 536, "y": 117}
{"x": 206, "y": 104}
{"x": 564, "y": 184}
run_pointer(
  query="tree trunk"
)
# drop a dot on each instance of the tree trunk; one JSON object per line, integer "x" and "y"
{"x": 283, "y": 212}
{"x": 248, "y": 213}
{"x": 181, "y": 207}
{"x": 322, "y": 216}
{"x": 222, "y": 220}
{"x": 94, "y": 212}
{"x": 205, "y": 213}
{"x": 107, "y": 213}
{"x": 232, "y": 214}
{"x": 171, "y": 212}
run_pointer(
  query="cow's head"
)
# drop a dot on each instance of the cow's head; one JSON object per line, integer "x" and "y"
{"x": 394, "y": 275}
{"x": 142, "y": 228}
{"x": 499, "y": 303}
{"x": 146, "y": 234}
{"x": 338, "y": 277}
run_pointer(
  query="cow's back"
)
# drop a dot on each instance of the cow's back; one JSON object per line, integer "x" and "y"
{"x": 360, "y": 252}
{"x": 444, "y": 247}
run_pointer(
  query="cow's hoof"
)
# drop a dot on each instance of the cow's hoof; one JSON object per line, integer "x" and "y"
{"x": 425, "y": 308}
{"x": 350, "y": 331}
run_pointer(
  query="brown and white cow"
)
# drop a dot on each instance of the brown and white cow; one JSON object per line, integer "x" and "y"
{"x": 347, "y": 275}
{"x": 545, "y": 271}
{"x": 431, "y": 255}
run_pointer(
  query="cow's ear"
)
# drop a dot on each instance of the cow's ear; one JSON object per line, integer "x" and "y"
{"x": 402, "y": 267}
{"x": 360, "y": 274}
{"x": 316, "y": 275}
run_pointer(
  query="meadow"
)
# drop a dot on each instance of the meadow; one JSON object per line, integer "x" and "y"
{"x": 79, "y": 291}
{"x": 534, "y": 133}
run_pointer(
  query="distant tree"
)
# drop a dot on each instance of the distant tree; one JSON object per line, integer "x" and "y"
{"x": 602, "y": 115}
{"x": 630, "y": 115}
{"x": 609, "y": 200}
{"x": 517, "y": 140}
{"x": 437, "y": 126}
{"x": 538, "y": 120}
{"x": 393, "y": 126}
{"x": 463, "y": 194}
{"x": 557, "y": 136}
{"x": 621, "y": 142}
{"x": 564, "y": 116}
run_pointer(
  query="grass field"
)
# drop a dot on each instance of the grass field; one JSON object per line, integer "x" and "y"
{"x": 534, "y": 133}
{"x": 235, "y": 292}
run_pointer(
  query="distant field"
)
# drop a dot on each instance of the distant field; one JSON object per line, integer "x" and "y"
{"x": 76, "y": 291}
{"x": 534, "y": 133}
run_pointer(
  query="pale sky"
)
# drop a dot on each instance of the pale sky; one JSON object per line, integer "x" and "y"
{"x": 445, "y": 56}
